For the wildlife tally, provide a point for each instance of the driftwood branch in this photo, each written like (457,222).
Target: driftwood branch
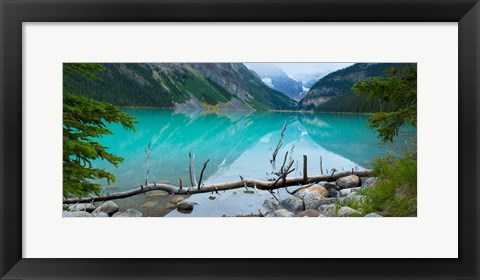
(201,174)
(261,185)
(275,152)
(191,169)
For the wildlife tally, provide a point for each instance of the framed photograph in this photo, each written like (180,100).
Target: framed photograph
(239,139)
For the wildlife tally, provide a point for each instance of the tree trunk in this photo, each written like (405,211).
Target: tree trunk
(261,185)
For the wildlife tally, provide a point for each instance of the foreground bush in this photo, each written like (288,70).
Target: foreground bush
(395,192)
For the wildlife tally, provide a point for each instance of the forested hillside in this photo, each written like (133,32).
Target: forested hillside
(333,93)
(168,85)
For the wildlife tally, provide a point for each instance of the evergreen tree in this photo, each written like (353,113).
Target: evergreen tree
(398,89)
(84,120)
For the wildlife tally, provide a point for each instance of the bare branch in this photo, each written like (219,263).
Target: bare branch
(261,185)
(191,169)
(201,174)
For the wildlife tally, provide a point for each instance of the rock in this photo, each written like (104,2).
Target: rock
(349,181)
(280,213)
(186,204)
(373,215)
(248,191)
(82,207)
(100,215)
(309,213)
(150,204)
(332,192)
(212,197)
(370,183)
(157,195)
(316,189)
(346,192)
(76,214)
(312,201)
(108,207)
(328,210)
(342,200)
(269,205)
(176,199)
(130,213)
(362,180)
(327,201)
(117,214)
(170,206)
(65,206)
(356,198)
(347,212)
(292,204)
(331,185)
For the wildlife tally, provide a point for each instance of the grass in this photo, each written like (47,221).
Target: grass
(395,193)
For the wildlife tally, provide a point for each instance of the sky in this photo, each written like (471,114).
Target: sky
(300,71)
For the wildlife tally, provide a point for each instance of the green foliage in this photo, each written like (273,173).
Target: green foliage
(85,119)
(354,103)
(398,89)
(395,193)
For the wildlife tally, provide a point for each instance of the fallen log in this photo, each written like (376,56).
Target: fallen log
(261,185)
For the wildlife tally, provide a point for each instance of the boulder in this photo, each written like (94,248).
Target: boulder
(76,214)
(108,207)
(346,192)
(328,210)
(269,205)
(333,192)
(349,181)
(327,201)
(347,212)
(312,201)
(82,207)
(370,183)
(316,189)
(176,199)
(309,213)
(130,213)
(65,206)
(186,204)
(292,204)
(373,215)
(100,215)
(117,214)
(280,213)
(331,185)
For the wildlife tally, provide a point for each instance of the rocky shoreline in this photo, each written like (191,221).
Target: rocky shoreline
(322,199)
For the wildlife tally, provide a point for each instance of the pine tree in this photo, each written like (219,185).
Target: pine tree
(85,120)
(398,89)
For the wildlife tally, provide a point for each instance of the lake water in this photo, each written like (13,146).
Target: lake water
(236,143)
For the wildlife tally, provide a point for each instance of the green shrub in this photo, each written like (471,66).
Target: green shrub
(395,193)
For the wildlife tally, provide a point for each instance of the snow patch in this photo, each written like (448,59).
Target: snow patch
(268,82)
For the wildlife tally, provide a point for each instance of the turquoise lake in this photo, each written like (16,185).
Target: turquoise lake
(236,143)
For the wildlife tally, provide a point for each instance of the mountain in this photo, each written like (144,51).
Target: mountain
(183,85)
(275,78)
(333,92)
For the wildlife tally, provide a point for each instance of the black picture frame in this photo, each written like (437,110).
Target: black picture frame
(15,12)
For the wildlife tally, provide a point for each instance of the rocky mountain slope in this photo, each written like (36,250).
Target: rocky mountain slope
(276,79)
(184,85)
(334,91)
